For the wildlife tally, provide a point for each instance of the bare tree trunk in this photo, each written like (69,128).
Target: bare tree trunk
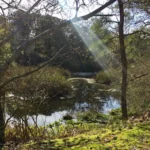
(2,123)
(123,62)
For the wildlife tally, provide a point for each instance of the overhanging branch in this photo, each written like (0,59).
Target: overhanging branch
(15,31)
(139,76)
(34,70)
(63,24)
(104,15)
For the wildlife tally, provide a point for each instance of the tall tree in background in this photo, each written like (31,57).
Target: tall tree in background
(123,61)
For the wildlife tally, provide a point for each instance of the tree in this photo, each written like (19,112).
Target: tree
(129,11)
(124,33)
(123,62)
(103,37)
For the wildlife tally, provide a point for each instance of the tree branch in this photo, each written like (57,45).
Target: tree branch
(105,15)
(34,70)
(15,31)
(139,76)
(136,32)
(63,24)
(93,13)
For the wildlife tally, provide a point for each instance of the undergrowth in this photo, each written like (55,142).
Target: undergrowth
(113,135)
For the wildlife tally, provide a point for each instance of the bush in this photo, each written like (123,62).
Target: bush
(103,78)
(67,117)
(138,92)
(92,116)
(54,85)
(111,76)
(115,112)
(47,82)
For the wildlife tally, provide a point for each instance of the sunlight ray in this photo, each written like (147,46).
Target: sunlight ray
(100,50)
(89,38)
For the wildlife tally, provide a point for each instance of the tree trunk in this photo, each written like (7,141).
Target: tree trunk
(123,62)
(2,123)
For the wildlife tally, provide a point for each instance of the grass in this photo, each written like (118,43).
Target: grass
(102,139)
(112,136)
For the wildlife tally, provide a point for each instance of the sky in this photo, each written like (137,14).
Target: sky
(69,9)
(67,6)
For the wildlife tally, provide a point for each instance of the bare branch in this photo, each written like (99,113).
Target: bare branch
(33,6)
(105,15)
(95,11)
(139,76)
(137,32)
(63,24)
(51,30)
(14,32)
(33,71)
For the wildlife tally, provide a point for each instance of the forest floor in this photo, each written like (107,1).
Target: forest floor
(133,134)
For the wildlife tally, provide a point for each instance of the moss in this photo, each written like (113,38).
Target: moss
(100,138)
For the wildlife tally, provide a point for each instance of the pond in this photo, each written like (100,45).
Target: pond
(86,95)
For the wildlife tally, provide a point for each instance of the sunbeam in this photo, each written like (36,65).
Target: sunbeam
(93,43)
(89,38)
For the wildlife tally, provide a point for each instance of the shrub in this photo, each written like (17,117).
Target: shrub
(47,82)
(115,112)
(92,116)
(138,92)
(111,76)
(103,78)
(67,117)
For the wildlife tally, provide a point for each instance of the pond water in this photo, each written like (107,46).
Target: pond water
(84,96)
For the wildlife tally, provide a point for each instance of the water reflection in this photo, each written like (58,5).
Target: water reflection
(84,97)
(110,104)
(45,120)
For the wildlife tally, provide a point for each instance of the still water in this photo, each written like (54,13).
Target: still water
(84,97)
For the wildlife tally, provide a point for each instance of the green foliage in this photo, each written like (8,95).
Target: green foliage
(33,93)
(92,116)
(21,133)
(98,137)
(115,114)
(5,51)
(112,76)
(104,45)
(47,82)
(100,29)
(67,117)
(82,59)
(137,45)
(138,87)
(103,78)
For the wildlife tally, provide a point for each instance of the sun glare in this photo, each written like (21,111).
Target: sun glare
(89,38)
(94,44)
